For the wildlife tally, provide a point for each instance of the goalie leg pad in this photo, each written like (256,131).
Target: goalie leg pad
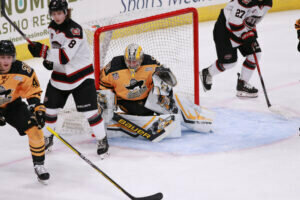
(107,102)
(195,117)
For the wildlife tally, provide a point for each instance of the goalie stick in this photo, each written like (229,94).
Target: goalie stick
(13,24)
(157,196)
(148,134)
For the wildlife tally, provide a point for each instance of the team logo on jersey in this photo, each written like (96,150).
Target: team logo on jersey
(115,76)
(228,56)
(18,78)
(5,95)
(136,88)
(75,31)
(148,69)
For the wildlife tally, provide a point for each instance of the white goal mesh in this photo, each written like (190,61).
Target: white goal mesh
(170,37)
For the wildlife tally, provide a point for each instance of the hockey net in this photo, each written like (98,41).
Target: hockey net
(170,37)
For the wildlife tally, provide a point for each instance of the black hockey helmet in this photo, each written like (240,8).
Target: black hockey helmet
(56,5)
(7,48)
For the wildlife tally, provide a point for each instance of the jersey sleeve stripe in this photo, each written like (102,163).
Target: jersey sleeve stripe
(63,57)
(235,27)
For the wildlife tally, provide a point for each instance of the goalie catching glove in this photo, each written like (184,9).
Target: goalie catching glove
(166,75)
(39,112)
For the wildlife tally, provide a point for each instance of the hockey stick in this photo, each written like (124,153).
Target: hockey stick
(262,81)
(157,196)
(148,134)
(272,108)
(13,24)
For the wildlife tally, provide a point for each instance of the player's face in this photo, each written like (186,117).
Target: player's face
(133,64)
(58,16)
(5,63)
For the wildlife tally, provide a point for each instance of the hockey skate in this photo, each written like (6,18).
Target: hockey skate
(41,172)
(102,148)
(48,143)
(244,89)
(206,79)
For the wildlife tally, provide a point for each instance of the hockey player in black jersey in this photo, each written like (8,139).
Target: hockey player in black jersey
(17,81)
(235,30)
(73,73)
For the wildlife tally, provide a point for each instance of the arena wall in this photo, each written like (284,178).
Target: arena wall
(33,18)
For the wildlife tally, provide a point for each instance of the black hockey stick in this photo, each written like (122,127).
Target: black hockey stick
(273,108)
(157,196)
(13,24)
(262,80)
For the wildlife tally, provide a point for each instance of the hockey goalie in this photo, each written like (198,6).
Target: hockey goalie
(142,89)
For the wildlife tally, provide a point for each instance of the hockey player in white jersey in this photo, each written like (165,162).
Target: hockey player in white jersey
(143,88)
(69,58)
(235,30)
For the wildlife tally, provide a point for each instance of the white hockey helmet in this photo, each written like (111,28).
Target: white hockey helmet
(133,56)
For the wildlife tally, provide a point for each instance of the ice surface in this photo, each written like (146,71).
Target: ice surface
(252,154)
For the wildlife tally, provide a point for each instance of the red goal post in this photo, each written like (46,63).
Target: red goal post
(153,18)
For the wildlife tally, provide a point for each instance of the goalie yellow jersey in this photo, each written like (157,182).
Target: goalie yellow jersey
(125,84)
(20,82)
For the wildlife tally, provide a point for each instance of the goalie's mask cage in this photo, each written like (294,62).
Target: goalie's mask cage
(170,37)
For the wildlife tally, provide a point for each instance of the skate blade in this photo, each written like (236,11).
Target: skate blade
(44,182)
(49,150)
(246,95)
(104,156)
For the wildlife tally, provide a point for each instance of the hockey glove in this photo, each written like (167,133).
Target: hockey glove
(166,75)
(48,64)
(249,37)
(2,120)
(38,50)
(39,112)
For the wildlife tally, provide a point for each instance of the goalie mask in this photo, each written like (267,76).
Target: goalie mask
(133,56)
(56,5)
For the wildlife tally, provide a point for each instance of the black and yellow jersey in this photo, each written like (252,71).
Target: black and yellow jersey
(20,82)
(125,84)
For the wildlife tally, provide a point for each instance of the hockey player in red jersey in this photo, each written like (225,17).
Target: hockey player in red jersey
(297,26)
(17,81)
(235,30)
(69,58)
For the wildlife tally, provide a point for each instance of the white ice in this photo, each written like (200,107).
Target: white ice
(252,154)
